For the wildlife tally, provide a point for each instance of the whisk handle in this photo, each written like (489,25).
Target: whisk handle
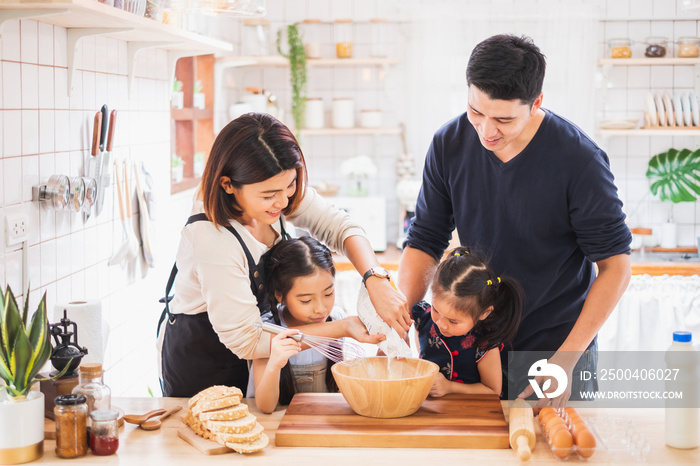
(275,329)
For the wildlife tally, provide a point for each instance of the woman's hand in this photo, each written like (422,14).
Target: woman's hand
(390,304)
(354,328)
(441,386)
(282,348)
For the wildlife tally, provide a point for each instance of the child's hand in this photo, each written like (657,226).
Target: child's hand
(441,386)
(282,348)
(357,330)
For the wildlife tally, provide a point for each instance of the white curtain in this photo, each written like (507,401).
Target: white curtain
(650,311)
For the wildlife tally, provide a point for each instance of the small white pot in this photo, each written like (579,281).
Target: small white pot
(21,428)
(198,168)
(178,173)
(198,100)
(178,99)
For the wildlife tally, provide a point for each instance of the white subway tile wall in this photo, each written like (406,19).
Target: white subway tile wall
(44,131)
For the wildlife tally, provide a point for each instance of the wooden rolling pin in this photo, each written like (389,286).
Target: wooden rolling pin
(521,428)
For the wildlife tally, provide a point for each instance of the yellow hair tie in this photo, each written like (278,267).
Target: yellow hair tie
(489,282)
(459,253)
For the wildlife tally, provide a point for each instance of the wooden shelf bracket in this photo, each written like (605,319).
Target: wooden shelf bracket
(73,36)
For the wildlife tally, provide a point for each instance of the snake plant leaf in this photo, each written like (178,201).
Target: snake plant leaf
(21,354)
(39,340)
(11,324)
(675,175)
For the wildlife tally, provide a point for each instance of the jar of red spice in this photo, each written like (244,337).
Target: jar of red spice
(104,433)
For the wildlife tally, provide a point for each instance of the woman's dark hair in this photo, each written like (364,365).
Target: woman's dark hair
(467,283)
(285,262)
(507,67)
(250,149)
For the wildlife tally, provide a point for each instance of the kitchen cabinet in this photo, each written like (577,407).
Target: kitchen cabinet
(606,65)
(192,127)
(84,18)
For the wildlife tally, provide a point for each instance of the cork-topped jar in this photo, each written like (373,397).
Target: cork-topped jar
(342,31)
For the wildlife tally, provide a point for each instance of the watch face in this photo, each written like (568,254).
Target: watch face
(380,271)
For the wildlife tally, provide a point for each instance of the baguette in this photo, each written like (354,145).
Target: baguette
(251,447)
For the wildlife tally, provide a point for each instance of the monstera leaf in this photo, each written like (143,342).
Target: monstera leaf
(675,175)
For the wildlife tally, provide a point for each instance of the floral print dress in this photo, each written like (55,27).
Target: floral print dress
(457,357)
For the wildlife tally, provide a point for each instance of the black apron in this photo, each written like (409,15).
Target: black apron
(193,358)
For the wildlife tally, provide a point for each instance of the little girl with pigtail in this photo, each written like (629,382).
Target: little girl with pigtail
(473,314)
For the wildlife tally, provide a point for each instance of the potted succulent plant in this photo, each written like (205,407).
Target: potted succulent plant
(178,168)
(198,164)
(198,96)
(24,349)
(178,98)
(675,177)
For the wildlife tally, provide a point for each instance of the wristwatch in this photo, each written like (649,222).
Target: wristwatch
(380,272)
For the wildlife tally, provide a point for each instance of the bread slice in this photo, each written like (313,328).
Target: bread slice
(206,405)
(237,426)
(215,392)
(250,447)
(244,437)
(227,414)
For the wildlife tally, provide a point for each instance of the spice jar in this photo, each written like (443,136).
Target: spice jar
(656,47)
(256,34)
(70,412)
(90,384)
(688,47)
(311,32)
(314,113)
(343,113)
(104,433)
(620,48)
(343,38)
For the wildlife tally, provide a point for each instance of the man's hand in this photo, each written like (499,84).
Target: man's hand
(566,360)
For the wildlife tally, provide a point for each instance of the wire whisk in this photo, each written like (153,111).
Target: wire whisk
(343,351)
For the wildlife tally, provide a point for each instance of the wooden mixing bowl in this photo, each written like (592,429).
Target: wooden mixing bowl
(385,387)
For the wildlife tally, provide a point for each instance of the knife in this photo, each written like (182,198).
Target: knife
(100,163)
(105,175)
(94,150)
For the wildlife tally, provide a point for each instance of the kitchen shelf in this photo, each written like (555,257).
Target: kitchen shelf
(349,131)
(83,18)
(191,113)
(668,131)
(276,60)
(648,61)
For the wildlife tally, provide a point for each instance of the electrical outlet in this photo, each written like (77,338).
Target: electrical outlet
(16,228)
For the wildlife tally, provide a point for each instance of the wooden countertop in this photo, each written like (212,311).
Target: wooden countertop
(164,447)
(389,259)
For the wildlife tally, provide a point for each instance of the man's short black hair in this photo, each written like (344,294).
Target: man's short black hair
(507,67)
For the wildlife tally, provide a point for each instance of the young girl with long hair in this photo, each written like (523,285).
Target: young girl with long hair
(300,282)
(473,313)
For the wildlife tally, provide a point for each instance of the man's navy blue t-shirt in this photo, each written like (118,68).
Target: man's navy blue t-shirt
(543,217)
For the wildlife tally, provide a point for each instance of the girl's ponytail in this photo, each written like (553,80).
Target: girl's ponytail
(502,323)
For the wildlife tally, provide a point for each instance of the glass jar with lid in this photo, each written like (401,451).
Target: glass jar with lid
(688,47)
(620,47)
(256,33)
(70,412)
(104,432)
(656,46)
(379,45)
(311,36)
(342,31)
(98,395)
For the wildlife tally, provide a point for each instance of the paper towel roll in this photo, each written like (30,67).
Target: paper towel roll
(87,315)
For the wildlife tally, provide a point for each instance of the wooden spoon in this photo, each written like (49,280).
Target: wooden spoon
(154,424)
(139,419)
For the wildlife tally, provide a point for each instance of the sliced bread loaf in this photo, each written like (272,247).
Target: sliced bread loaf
(206,405)
(250,447)
(226,414)
(244,437)
(236,426)
(214,392)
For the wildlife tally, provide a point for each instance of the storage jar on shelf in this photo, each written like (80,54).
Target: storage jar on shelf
(656,47)
(379,45)
(343,113)
(256,33)
(311,33)
(688,47)
(620,48)
(314,113)
(342,31)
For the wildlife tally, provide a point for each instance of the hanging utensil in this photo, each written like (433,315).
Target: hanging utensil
(99,163)
(105,175)
(144,220)
(129,248)
(342,351)
(92,163)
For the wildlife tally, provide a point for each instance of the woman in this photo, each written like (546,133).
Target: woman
(254,179)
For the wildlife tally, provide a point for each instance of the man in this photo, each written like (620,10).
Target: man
(532,190)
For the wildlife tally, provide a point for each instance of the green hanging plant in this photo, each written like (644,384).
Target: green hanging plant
(675,175)
(297,66)
(23,349)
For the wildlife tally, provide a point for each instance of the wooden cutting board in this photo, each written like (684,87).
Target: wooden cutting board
(453,421)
